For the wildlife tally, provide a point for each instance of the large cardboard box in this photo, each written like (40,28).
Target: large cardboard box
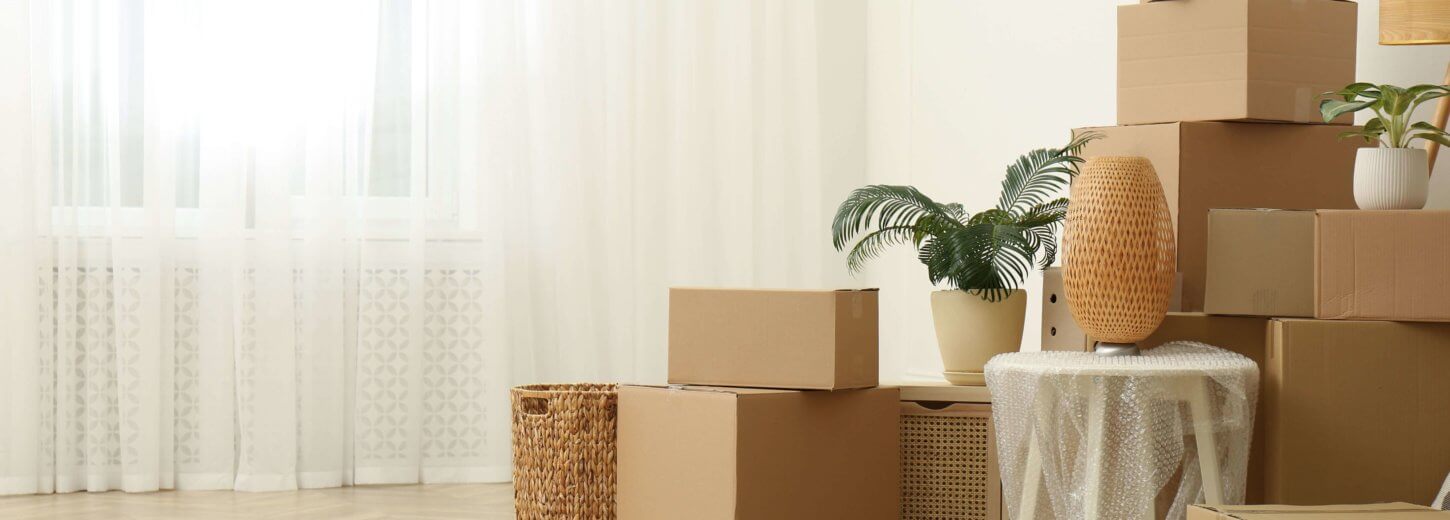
(1374,265)
(1235,165)
(1391,511)
(825,340)
(1355,411)
(1246,335)
(1219,60)
(737,453)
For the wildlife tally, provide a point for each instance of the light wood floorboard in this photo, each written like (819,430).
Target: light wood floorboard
(432,501)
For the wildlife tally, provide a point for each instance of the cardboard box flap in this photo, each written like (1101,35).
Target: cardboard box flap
(1394,510)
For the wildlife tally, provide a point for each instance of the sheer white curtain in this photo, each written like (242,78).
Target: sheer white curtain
(268,245)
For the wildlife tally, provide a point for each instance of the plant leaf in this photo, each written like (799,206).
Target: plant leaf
(875,243)
(1350,91)
(1040,173)
(1395,101)
(1438,137)
(881,207)
(1331,108)
(1425,125)
(1369,137)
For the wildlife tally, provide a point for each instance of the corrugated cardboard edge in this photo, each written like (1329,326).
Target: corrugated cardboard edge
(1271,377)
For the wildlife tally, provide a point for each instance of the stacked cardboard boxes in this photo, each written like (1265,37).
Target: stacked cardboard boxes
(1341,308)
(1355,401)
(773,411)
(1221,95)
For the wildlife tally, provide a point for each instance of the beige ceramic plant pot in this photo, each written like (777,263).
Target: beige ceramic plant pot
(970,330)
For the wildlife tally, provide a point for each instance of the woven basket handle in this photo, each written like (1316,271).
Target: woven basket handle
(546,398)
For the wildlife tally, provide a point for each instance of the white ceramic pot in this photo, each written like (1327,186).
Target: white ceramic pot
(970,330)
(1391,178)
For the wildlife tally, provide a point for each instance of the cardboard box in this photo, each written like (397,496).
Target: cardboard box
(1246,335)
(1375,265)
(738,453)
(1392,511)
(1355,411)
(1059,330)
(1222,60)
(1260,263)
(1235,165)
(824,340)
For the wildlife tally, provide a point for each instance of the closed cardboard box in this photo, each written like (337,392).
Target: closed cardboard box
(802,339)
(1220,60)
(1235,165)
(1391,511)
(1355,411)
(1373,265)
(1246,335)
(708,453)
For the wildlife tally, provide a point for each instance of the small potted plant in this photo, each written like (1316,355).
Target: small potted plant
(1391,175)
(983,258)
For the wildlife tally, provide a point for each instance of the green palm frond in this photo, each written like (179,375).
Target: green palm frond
(875,243)
(1040,173)
(989,253)
(889,206)
(1049,213)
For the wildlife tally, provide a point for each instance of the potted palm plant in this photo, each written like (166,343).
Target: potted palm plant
(1391,175)
(982,258)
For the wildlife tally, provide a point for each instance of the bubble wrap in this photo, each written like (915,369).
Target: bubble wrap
(1150,466)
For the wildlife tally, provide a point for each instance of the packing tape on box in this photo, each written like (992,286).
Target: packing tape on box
(1304,105)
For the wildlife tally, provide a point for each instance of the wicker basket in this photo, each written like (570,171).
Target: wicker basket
(564,446)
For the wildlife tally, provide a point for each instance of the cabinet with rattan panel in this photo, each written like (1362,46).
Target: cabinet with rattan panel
(948,457)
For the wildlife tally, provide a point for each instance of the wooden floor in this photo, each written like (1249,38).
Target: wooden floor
(444,501)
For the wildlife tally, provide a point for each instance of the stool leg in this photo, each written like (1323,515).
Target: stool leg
(1198,407)
(1092,489)
(1031,479)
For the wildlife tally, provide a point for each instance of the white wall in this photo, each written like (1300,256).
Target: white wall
(958,89)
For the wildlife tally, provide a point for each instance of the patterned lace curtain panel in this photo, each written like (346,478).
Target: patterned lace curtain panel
(268,245)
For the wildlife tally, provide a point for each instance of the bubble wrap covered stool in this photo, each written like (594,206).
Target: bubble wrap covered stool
(1082,436)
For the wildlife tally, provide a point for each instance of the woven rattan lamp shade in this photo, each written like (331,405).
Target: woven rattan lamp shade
(1119,257)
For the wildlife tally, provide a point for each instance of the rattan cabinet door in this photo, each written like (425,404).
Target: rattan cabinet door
(948,462)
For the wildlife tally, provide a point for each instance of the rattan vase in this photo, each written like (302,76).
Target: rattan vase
(1119,256)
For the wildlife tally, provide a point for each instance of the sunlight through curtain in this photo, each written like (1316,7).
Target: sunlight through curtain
(267,245)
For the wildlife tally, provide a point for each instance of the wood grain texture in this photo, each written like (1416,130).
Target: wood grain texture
(433,501)
(1414,22)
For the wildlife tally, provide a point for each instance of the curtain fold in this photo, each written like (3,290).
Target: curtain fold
(276,245)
